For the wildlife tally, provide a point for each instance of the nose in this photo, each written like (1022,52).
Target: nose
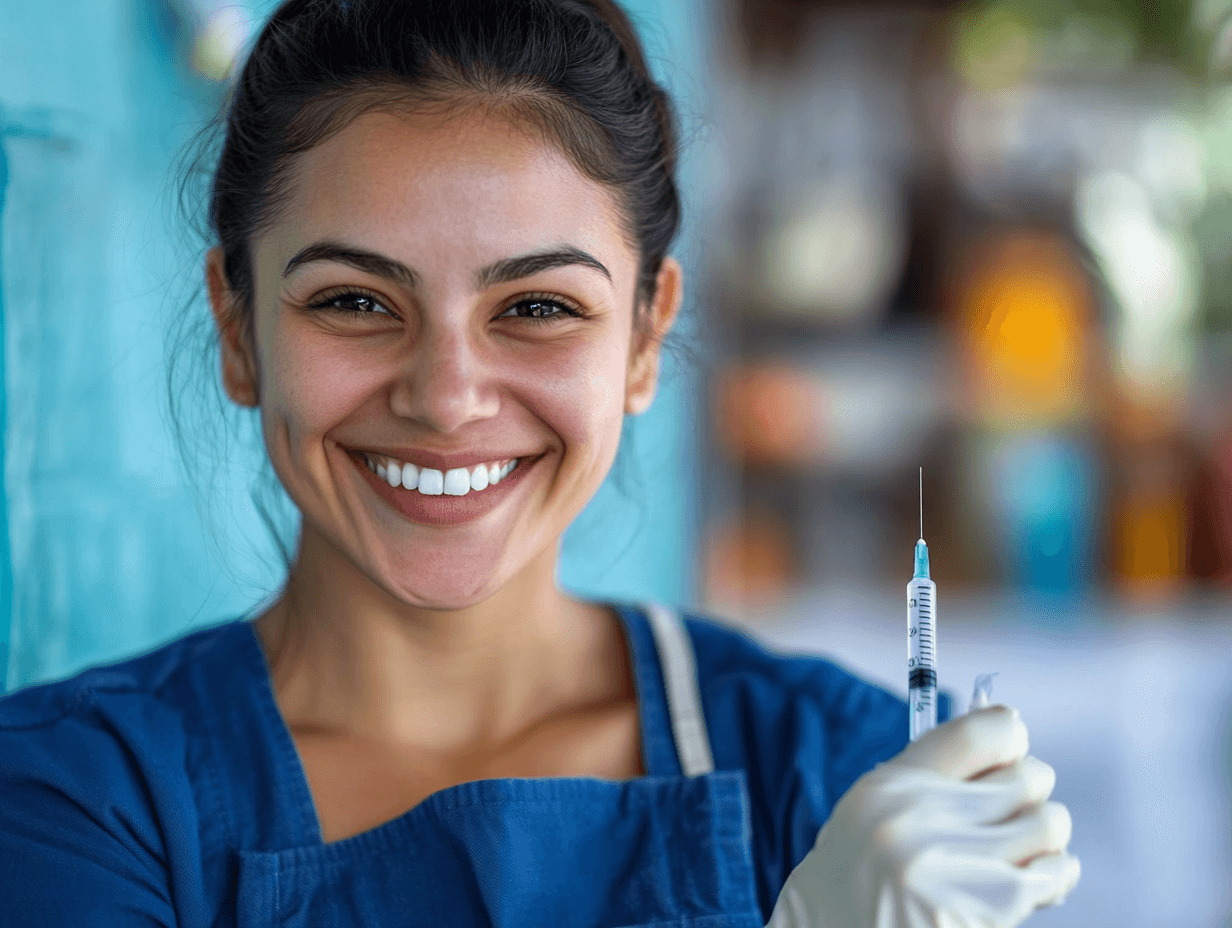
(445,382)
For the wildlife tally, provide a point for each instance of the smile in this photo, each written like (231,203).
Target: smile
(429,481)
(443,496)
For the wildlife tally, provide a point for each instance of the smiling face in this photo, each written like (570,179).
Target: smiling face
(444,293)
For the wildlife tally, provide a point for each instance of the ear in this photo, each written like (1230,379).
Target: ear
(238,361)
(645,348)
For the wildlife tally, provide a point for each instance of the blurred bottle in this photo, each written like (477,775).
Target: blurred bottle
(1023,312)
(1150,521)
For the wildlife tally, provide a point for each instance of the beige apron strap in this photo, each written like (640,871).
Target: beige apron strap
(684,698)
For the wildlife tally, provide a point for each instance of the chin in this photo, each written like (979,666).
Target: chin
(456,574)
(446,592)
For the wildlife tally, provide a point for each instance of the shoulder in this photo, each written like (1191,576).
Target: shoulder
(107,723)
(93,771)
(149,679)
(107,730)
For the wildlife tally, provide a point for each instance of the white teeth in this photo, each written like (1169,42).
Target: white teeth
(479,477)
(457,481)
(410,476)
(431,482)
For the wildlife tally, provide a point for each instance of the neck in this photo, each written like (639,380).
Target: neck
(348,658)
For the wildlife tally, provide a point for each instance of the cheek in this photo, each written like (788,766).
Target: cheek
(312,383)
(581,395)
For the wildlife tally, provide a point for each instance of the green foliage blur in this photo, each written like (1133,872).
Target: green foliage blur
(997,40)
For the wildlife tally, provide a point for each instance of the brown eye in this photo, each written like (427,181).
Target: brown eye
(539,309)
(352,303)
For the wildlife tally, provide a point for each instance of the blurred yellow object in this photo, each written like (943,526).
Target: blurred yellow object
(1024,306)
(1030,332)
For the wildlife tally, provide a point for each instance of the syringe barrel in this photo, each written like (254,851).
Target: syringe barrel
(921,656)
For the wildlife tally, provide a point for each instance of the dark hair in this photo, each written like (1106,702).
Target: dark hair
(573,69)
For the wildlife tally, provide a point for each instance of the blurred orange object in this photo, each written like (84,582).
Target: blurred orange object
(768,413)
(1024,309)
(747,564)
(1150,524)
(1150,544)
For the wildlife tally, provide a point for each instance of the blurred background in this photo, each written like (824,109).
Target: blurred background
(991,239)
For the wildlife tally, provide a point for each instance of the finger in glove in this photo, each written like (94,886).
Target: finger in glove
(971,744)
(1046,830)
(1031,776)
(1055,876)
(999,816)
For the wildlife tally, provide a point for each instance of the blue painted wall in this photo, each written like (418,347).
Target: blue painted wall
(108,551)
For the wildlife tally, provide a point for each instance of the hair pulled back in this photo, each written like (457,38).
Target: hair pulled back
(572,69)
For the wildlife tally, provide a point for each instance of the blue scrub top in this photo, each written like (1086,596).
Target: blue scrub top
(166,790)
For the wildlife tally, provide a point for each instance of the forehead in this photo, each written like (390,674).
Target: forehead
(472,185)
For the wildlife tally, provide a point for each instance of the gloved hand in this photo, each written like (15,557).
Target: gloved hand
(953,832)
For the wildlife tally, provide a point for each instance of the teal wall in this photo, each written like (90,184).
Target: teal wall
(6,563)
(107,550)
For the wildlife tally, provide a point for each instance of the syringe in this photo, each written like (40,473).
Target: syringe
(921,639)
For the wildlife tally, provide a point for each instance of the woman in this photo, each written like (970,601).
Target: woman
(442,279)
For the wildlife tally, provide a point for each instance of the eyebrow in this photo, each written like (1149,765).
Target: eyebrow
(498,272)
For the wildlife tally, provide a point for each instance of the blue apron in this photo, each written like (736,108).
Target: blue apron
(670,848)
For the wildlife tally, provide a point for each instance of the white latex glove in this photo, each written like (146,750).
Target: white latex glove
(954,832)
